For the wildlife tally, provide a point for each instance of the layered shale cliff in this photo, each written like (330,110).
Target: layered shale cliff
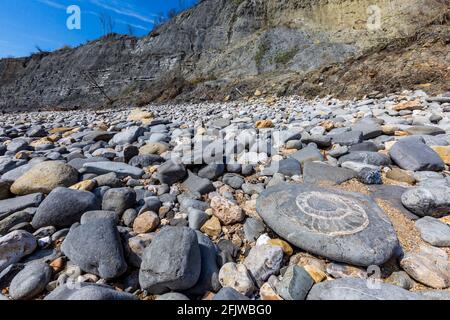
(225,48)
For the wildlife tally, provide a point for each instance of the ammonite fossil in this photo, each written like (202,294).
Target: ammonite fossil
(329,214)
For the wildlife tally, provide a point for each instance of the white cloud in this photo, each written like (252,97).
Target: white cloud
(53,4)
(136,26)
(129,12)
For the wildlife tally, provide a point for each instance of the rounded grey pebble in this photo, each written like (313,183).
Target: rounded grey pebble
(129,216)
(175,296)
(196,218)
(31,281)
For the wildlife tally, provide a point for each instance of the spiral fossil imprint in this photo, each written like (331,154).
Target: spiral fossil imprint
(327,214)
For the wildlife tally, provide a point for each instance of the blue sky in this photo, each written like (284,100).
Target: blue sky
(26,24)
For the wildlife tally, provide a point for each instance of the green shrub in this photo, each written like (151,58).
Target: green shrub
(285,56)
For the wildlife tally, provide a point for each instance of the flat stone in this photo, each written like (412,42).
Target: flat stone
(401,279)
(436,295)
(96,248)
(236,276)
(9,206)
(320,140)
(400,175)
(348,138)
(320,173)
(286,247)
(342,226)
(129,135)
(121,169)
(425,201)
(367,157)
(220,123)
(295,284)
(212,171)
(253,229)
(36,132)
(364,146)
(78,163)
(429,266)
(63,207)
(338,151)
(316,272)
(99,214)
(14,219)
(369,128)
(310,153)
(264,261)
(186,203)
(43,255)
(44,177)
(442,99)
(146,222)
(413,154)
(86,185)
(171,172)
(98,136)
(119,200)
(436,141)
(341,270)
(234,167)
(14,246)
(108,180)
(88,292)
(171,262)
(434,231)
(370,176)
(152,203)
(229,294)
(288,167)
(17,145)
(252,189)
(359,289)
(143,161)
(233,180)
(294,144)
(129,216)
(158,137)
(172,296)
(429,178)
(14,174)
(209,274)
(31,281)
(409,105)
(225,210)
(8,164)
(157,148)
(140,115)
(424,130)
(196,184)
(197,218)
(267,293)
(212,227)
(358,166)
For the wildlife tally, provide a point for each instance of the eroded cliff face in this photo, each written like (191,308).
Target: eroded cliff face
(215,45)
